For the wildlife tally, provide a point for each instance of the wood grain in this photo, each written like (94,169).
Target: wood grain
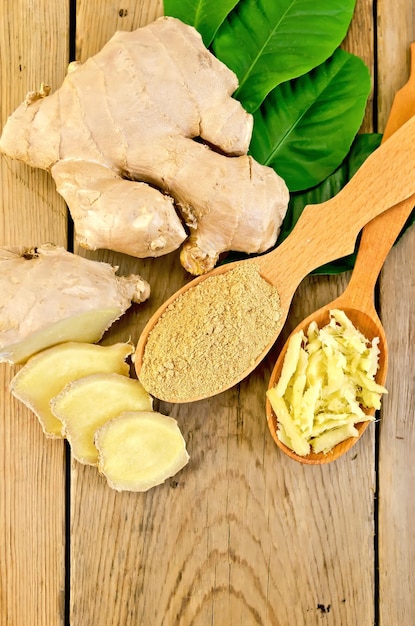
(243,535)
(240,536)
(397,297)
(396,31)
(97,22)
(397,438)
(32,486)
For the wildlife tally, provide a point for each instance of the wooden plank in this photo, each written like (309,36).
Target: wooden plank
(106,581)
(397,302)
(396,30)
(107,19)
(243,534)
(397,438)
(360,40)
(32,490)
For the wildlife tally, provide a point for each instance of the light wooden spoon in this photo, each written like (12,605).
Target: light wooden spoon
(378,236)
(324,232)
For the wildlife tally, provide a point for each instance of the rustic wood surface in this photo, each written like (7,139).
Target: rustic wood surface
(243,535)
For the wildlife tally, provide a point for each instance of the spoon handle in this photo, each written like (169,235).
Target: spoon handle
(376,241)
(379,235)
(328,231)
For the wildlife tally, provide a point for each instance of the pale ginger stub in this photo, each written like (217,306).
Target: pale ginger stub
(119,139)
(48,372)
(49,296)
(140,450)
(87,403)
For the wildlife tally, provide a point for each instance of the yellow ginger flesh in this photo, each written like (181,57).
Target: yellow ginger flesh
(87,403)
(50,296)
(46,374)
(140,450)
(147,126)
(327,385)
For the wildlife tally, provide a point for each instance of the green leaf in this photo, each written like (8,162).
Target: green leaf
(305,127)
(267,42)
(362,147)
(205,15)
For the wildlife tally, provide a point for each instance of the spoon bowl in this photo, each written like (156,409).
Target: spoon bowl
(369,324)
(378,236)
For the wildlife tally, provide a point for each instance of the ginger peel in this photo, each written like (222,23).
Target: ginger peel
(49,296)
(153,136)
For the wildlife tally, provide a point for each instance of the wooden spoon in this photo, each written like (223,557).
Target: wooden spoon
(324,232)
(377,238)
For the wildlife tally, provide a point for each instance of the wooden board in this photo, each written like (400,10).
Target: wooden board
(243,535)
(396,473)
(32,491)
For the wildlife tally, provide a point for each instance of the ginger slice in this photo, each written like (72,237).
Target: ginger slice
(47,373)
(49,296)
(87,403)
(139,450)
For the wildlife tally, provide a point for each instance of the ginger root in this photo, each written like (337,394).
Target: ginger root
(143,128)
(48,372)
(50,296)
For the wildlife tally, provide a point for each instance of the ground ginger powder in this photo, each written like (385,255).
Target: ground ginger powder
(210,335)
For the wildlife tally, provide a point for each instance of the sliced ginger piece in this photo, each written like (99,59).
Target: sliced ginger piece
(139,450)
(87,403)
(49,296)
(48,372)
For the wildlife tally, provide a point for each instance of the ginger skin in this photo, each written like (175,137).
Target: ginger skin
(135,133)
(49,296)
